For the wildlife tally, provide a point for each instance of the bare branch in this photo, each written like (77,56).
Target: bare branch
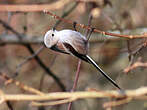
(66,13)
(53,102)
(135,65)
(34,8)
(116,103)
(75,83)
(20,85)
(29,58)
(96,30)
(138,94)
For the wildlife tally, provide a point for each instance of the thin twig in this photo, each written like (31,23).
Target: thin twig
(66,14)
(77,76)
(96,30)
(138,63)
(116,103)
(135,65)
(75,82)
(48,71)
(20,85)
(89,24)
(8,27)
(43,75)
(53,102)
(29,58)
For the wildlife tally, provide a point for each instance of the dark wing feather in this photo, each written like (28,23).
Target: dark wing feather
(75,53)
(55,48)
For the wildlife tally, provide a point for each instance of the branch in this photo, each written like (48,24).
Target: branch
(48,71)
(116,103)
(19,84)
(138,94)
(75,82)
(135,65)
(8,27)
(96,30)
(66,13)
(29,58)
(34,8)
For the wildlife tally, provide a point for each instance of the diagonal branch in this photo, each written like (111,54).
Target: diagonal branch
(96,30)
(19,84)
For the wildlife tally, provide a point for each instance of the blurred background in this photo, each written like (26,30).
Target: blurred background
(21,33)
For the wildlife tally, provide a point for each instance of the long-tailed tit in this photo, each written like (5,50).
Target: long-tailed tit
(73,43)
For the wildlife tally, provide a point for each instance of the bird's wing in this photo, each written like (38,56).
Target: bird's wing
(80,45)
(56,48)
(74,52)
(76,40)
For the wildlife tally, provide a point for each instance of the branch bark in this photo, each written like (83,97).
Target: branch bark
(34,7)
(138,94)
(144,35)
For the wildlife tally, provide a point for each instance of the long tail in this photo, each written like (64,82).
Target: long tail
(101,71)
(88,59)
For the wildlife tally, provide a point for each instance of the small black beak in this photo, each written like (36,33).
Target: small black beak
(53,28)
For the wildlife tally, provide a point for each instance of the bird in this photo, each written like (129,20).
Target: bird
(72,42)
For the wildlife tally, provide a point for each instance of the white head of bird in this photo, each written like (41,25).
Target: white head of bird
(51,38)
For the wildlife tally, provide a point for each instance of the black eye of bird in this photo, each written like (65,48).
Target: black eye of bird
(52,34)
